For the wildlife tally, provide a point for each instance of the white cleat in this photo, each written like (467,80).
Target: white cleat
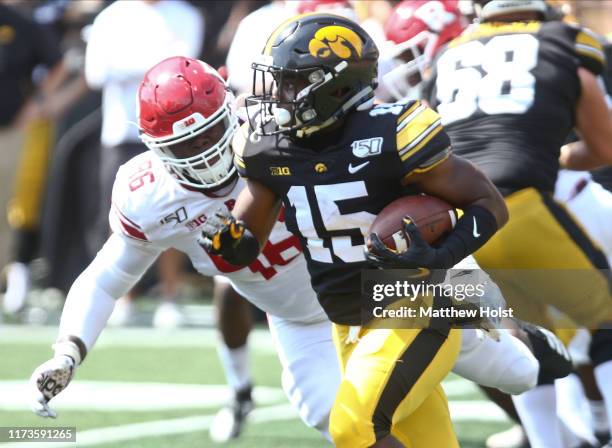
(514,437)
(167,316)
(229,421)
(17,287)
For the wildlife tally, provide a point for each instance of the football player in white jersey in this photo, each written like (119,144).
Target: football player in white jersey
(162,198)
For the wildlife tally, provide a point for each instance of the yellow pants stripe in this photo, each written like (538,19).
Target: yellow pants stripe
(419,354)
(543,258)
(391,382)
(575,232)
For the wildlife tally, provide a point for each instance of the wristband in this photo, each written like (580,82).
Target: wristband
(71,346)
(472,231)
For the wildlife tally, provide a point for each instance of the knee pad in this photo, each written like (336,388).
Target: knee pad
(600,350)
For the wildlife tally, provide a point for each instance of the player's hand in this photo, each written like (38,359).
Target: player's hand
(48,380)
(418,255)
(221,233)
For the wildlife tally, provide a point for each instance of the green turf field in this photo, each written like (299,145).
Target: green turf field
(148,388)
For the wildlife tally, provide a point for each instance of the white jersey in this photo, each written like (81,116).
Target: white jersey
(151,208)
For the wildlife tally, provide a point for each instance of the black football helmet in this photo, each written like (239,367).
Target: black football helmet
(489,9)
(314,69)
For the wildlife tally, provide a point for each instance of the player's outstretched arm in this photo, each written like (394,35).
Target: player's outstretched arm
(594,123)
(90,302)
(239,236)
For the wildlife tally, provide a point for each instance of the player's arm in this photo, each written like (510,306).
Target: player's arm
(462,185)
(90,302)
(594,124)
(426,160)
(239,236)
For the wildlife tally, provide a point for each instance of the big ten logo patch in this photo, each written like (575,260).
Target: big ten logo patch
(280,171)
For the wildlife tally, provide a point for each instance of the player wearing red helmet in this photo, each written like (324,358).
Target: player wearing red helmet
(184,107)
(416,30)
(161,200)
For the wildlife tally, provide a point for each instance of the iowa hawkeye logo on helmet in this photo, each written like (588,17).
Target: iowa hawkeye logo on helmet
(339,40)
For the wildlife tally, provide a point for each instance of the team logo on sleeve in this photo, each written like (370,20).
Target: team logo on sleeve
(367,147)
(339,40)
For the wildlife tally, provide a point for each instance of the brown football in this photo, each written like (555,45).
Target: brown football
(434,217)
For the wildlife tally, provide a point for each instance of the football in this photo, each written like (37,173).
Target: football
(434,217)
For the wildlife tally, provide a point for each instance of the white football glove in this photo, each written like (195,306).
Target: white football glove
(48,380)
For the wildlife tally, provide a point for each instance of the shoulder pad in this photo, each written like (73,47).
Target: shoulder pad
(391,108)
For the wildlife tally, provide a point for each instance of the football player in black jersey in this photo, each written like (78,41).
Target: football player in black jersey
(509,91)
(319,146)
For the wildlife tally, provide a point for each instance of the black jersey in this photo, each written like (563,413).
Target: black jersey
(604,175)
(333,189)
(507,93)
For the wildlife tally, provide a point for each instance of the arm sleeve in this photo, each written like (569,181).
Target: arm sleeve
(421,141)
(91,299)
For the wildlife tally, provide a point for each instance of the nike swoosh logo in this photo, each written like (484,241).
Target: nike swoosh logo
(353,169)
(475,231)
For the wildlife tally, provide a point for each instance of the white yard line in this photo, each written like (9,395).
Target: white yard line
(116,396)
(259,339)
(460,411)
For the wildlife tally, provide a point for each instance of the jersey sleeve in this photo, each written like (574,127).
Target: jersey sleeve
(589,50)
(421,141)
(123,218)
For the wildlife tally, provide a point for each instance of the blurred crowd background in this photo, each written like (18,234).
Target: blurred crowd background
(69,71)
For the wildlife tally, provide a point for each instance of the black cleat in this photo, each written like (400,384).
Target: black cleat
(229,421)
(555,361)
(604,437)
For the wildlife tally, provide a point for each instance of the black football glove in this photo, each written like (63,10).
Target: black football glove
(418,255)
(220,233)
(228,238)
